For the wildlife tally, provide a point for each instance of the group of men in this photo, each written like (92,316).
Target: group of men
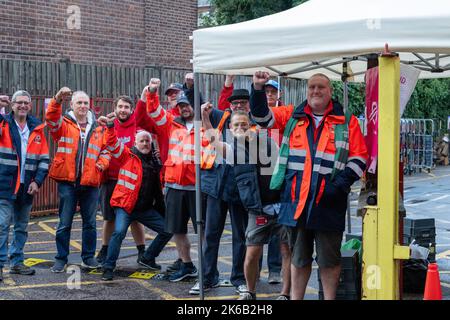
(283,174)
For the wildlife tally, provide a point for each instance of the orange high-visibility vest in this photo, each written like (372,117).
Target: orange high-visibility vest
(66,133)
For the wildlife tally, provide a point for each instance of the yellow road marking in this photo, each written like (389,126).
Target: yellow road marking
(11,285)
(47,285)
(33,261)
(163,294)
(143,275)
(309,290)
(52,231)
(443,254)
(412,181)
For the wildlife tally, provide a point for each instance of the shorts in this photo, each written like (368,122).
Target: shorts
(180,206)
(106,191)
(260,228)
(328,247)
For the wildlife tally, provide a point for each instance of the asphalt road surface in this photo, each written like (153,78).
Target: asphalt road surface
(426,195)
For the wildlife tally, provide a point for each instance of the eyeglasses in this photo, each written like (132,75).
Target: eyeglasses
(239,102)
(25,103)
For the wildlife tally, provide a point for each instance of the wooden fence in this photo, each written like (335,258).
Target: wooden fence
(103,84)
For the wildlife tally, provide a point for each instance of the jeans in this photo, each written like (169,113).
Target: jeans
(87,197)
(216,213)
(152,219)
(16,212)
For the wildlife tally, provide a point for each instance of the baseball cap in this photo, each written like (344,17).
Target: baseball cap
(174,86)
(183,99)
(273,83)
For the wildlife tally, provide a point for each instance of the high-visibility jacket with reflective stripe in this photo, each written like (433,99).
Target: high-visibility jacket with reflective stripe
(36,160)
(308,194)
(65,131)
(179,166)
(129,179)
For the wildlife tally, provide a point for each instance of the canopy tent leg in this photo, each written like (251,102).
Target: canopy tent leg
(198,193)
(345,93)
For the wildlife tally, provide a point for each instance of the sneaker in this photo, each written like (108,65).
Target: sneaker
(247,296)
(274,278)
(183,273)
(22,269)
(108,275)
(140,256)
(283,297)
(59,266)
(195,290)
(90,263)
(149,263)
(101,256)
(242,289)
(175,266)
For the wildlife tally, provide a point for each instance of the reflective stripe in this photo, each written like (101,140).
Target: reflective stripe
(114,147)
(119,153)
(128,174)
(64,150)
(91,156)
(296,166)
(283,160)
(285,140)
(7,150)
(126,184)
(43,165)
(66,139)
(8,162)
(322,169)
(264,119)
(174,141)
(355,168)
(156,113)
(326,156)
(162,121)
(342,144)
(57,125)
(30,167)
(207,151)
(339,165)
(188,147)
(363,160)
(180,187)
(106,156)
(32,156)
(185,157)
(94,147)
(297,152)
(44,157)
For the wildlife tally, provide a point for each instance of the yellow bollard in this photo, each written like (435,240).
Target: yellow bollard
(381,252)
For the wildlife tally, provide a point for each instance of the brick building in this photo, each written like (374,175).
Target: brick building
(125,33)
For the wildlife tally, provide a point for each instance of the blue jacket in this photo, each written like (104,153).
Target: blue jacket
(36,165)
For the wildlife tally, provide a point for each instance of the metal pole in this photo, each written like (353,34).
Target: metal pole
(198,193)
(345,93)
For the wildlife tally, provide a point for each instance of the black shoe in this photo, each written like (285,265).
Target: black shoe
(108,275)
(175,266)
(101,256)
(22,269)
(149,263)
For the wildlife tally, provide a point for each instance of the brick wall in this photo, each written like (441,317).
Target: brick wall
(129,33)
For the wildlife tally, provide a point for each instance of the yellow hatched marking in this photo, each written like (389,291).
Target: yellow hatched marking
(163,294)
(143,275)
(52,231)
(33,261)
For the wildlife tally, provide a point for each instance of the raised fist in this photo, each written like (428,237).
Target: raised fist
(229,80)
(260,78)
(63,93)
(154,84)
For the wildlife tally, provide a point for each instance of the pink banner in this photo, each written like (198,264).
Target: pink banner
(371,136)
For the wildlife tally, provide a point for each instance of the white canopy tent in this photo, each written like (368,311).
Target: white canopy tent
(319,35)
